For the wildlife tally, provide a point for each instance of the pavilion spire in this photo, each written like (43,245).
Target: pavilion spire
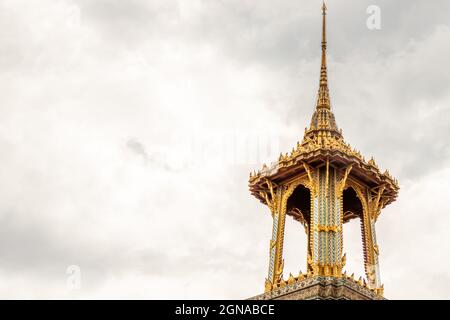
(323,117)
(323,99)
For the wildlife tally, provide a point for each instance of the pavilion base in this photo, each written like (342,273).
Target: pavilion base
(321,288)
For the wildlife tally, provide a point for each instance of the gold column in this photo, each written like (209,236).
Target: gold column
(276,262)
(375,204)
(370,209)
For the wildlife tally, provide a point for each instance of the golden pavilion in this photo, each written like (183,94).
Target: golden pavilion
(323,183)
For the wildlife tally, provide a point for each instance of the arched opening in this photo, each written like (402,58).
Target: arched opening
(298,212)
(353,241)
(352,205)
(299,204)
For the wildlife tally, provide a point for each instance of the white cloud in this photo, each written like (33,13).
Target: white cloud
(101,99)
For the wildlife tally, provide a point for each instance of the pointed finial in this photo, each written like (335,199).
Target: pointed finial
(360,282)
(291,279)
(301,276)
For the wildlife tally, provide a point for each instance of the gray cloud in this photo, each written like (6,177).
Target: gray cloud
(138,148)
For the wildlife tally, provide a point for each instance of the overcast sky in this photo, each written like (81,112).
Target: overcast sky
(127,131)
